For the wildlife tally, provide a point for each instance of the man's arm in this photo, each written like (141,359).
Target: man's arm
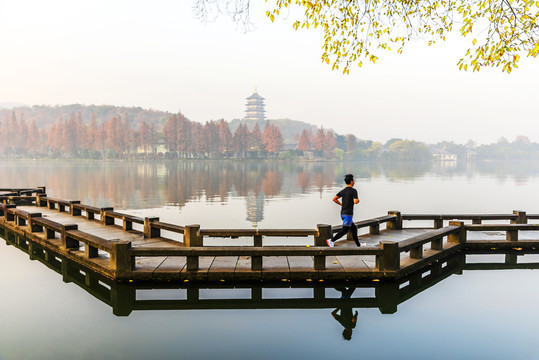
(336,200)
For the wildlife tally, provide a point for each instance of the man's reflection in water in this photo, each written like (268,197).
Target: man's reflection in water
(346,318)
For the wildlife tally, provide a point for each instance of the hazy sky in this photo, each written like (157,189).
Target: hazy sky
(157,55)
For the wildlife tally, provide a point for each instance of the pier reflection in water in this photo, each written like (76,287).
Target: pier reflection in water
(340,298)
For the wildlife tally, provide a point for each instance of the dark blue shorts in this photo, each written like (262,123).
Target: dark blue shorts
(346,220)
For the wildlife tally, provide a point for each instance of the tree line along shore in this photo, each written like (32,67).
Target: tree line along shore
(32,134)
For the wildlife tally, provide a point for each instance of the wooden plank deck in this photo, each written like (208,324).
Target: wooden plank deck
(174,266)
(230,268)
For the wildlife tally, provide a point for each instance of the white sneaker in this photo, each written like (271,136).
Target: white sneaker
(330,243)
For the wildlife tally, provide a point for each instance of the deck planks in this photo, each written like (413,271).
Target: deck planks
(239,268)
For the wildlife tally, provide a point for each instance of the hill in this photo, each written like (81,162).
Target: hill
(288,127)
(45,116)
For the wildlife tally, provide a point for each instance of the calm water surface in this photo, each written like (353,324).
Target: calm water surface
(471,314)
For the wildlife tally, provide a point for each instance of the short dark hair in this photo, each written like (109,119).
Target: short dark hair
(348,178)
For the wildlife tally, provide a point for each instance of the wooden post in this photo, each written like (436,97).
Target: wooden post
(256,293)
(511,235)
(90,251)
(387,296)
(397,223)
(51,204)
(72,210)
(437,244)
(438,223)
(42,189)
(319,293)
(34,227)
(417,252)
(127,224)
(67,242)
(193,294)
(122,298)
(149,231)
(458,237)
(521,217)
(20,221)
(41,200)
(106,220)
(324,233)
(390,259)
(374,229)
(476,221)
(511,259)
(50,234)
(192,238)
(120,259)
(256,261)
(9,215)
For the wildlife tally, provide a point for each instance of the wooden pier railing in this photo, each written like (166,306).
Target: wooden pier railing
(392,259)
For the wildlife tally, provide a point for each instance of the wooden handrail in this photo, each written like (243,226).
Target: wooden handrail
(415,241)
(257,232)
(368,222)
(254,251)
(459,217)
(167,226)
(504,227)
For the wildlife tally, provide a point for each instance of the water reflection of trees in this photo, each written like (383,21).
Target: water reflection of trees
(139,185)
(146,184)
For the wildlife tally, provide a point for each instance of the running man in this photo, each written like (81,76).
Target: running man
(349,199)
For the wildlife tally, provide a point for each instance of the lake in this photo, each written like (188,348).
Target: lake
(462,313)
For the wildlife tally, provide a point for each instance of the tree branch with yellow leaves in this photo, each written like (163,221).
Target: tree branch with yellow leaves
(356,31)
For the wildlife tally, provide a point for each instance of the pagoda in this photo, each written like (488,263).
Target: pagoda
(255,108)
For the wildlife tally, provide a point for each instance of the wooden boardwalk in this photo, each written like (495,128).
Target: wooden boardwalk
(125,298)
(123,247)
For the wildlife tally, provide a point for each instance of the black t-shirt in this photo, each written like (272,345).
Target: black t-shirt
(347,319)
(348,194)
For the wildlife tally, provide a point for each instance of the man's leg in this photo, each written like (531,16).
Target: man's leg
(338,235)
(353,228)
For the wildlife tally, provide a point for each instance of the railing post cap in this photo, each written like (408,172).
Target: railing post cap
(120,242)
(193,225)
(456,223)
(152,218)
(516,212)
